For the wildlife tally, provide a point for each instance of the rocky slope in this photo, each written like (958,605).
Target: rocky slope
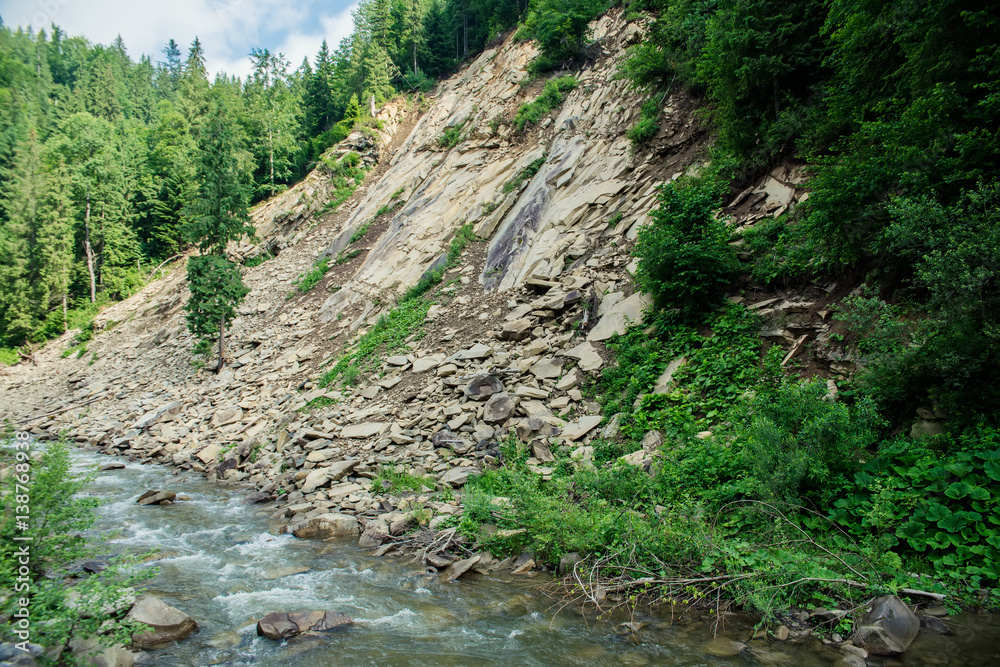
(518,325)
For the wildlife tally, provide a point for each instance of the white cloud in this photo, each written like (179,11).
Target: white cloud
(228,29)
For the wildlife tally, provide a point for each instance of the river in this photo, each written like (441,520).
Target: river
(220,562)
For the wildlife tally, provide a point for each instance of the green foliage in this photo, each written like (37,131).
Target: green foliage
(395,327)
(685,260)
(62,608)
(392,479)
(347,174)
(258,259)
(797,446)
(452,135)
(524,175)
(646,127)
(218,212)
(933,500)
(560,27)
(718,367)
(311,278)
(9,356)
(217,289)
(551,97)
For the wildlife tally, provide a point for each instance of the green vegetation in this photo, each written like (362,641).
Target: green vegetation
(345,255)
(347,174)
(394,328)
(65,604)
(685,258)
(560,27)
(551,97)
(452,135)
(524,175)
(391,479)
(257,260)
(306,281)
(646,127)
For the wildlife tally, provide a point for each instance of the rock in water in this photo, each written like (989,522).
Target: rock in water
(167,624)
(889,627)
(156,497)
(327,525)
(280,625)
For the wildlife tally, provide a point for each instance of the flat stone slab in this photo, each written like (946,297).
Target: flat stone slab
(364,430)
(282,625)
(430,362)
(580,428)
(618,317)
(587,357)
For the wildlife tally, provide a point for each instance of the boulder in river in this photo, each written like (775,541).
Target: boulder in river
(281,625)
(166,623)
(327,525)
(889,627)
(156,497)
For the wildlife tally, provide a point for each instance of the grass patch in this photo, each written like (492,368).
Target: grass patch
(311,278)
(257,260)
(9,356)
(398,192)
(345,255)
(552,97)
(525,174)
(452,135)
(388,479)
(394,328)
(347,173)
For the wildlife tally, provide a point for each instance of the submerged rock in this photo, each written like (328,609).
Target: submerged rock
(281,625)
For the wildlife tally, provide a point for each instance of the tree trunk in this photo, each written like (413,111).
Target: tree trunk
(89,252)
(222,344)
(270,145)
(65,314)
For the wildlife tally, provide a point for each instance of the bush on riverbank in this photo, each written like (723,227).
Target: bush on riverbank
(65,603)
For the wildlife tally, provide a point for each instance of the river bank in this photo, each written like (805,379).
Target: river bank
(220,562)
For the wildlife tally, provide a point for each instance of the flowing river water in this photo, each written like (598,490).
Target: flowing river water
(220,562)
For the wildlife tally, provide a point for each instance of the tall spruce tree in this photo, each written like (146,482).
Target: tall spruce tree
(218,215)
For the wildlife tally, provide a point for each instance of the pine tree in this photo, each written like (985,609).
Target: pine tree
(272,110)
(218,215)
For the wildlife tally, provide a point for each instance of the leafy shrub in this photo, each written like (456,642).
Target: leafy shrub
(452,135)
(62,608)
(560,26)
(935,500)
(797,446)
(306,281)
(685,260)
(646,127)
(551,97)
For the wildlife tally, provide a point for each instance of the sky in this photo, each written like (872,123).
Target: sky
(228,29)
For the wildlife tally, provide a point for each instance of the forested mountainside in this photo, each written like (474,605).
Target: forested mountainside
(702,293)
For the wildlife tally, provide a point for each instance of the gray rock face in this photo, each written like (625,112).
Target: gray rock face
(889,627)
(483,386)
(166,623)
(327,525)
(156,497)
(280,625)
(498,409)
